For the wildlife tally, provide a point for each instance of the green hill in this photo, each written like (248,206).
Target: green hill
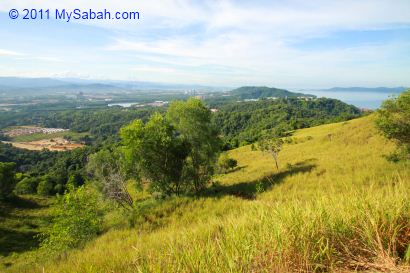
(335,204)
(259,92)
(245,122)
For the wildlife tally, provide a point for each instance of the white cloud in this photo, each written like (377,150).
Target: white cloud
(238,42)
(4,52)
(284,17)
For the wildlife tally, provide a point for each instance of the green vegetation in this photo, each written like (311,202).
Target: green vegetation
(216,100)
(21,220)
(155,150)
(76,220)
(95,125)
(39,136)
(244,123)
(259,92)
(174,154)
(7,179)
(28,185)
(271,145)
(193,122)
(394,121)
(143,198)
(335,205)
(226,163)
(50,170)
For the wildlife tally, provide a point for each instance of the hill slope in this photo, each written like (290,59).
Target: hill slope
(335,204)
(245,122)
(259,92)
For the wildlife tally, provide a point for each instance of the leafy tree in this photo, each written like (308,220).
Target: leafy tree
(27,185)
(45,186)
(192,120)
(75,180)
(394,120)
(76,219)
(272,146)
(156,151)
(105,167)
(7,178)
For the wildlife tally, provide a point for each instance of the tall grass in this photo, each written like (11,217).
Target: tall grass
(335,205)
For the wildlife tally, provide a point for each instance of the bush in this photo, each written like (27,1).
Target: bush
(27,185)
(76,219)
(225,163)
(75,180)
(7,178)
(46,186)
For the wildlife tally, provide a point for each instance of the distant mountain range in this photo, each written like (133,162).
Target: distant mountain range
(23,86)
(18,86)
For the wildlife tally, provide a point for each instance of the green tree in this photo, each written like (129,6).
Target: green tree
(106,168)
(271,145)
(45,186)
(75,180)
(7,178)
(76,219)
(394,120)
(156,152)
(192,120)
(27,185)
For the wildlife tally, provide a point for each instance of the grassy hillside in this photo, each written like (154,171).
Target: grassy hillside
(335,205)
(20,220)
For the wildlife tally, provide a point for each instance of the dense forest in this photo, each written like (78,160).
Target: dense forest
(101,124)
(244,123)
(260,92)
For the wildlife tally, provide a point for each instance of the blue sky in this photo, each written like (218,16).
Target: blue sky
(293,44)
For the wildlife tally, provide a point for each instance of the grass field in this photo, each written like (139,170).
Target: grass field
(40,136)
(21,219)
(335,205)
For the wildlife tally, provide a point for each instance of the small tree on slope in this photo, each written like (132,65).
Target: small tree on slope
(271,146)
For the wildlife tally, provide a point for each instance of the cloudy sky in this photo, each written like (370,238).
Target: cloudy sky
(293,44)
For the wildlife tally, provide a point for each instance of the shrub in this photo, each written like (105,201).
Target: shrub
(75,180)
(45,186)
(76,219)
(7,178)
(27,185)
(225,163)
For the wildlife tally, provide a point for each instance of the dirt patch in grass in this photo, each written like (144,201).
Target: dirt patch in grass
(54,144)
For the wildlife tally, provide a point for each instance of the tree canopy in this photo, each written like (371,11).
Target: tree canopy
(175,153)
(394,120)
(7,178)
